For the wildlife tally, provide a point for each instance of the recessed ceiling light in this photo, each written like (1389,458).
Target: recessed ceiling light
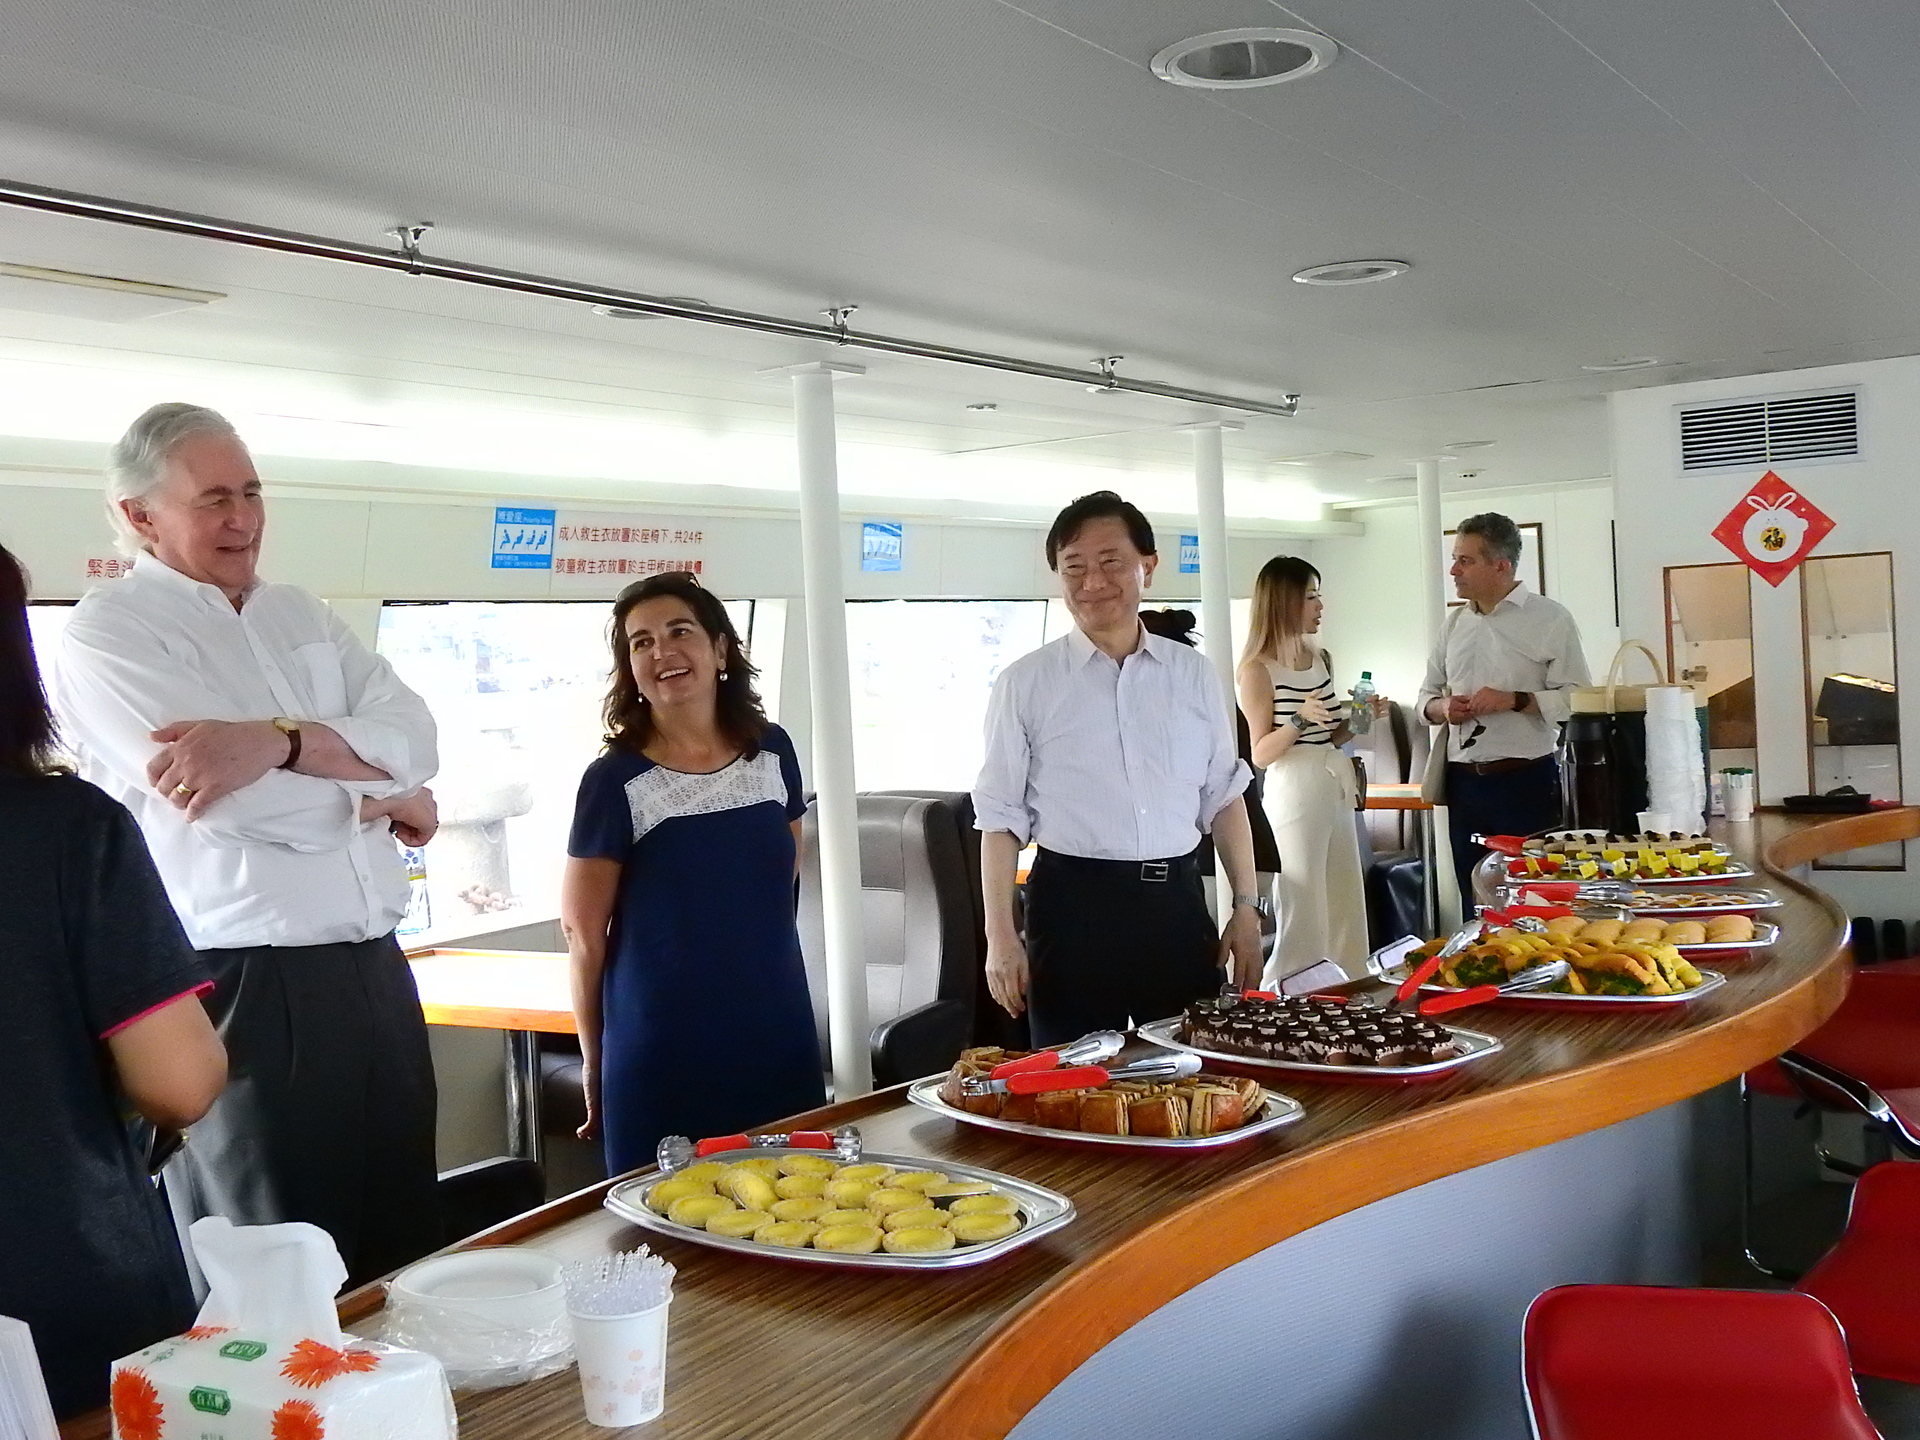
(1352,272)
(628,312)
(1243,59)
(1324,457)
(983,405)
(1467,445)
(1630,362)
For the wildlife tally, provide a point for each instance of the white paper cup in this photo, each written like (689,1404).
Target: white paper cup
(1737,790)
(623,1366)
(1655,822)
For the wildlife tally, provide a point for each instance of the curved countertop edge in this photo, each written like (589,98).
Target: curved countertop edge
(1038,1345)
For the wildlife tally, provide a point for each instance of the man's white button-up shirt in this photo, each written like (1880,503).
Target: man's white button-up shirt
(286,860)
(1089,756)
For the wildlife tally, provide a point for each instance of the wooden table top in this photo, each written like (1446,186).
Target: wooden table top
(1396,796)
(764,1345)
(494,989)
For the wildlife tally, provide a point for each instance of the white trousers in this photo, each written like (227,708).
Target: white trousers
(1321,903)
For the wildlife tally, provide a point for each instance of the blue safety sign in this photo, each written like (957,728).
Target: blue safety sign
(1189,554)
(880,545)
(522,539)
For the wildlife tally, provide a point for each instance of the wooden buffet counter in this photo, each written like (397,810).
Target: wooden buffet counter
(795,1350)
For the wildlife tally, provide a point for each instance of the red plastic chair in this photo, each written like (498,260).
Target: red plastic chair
(1872,1041)
(1871,1279)
(1636,1362)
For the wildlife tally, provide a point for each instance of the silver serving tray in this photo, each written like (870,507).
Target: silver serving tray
(1281,1110)
(1166,1032)
(1391,968)
(1734,902)
(1044,1211)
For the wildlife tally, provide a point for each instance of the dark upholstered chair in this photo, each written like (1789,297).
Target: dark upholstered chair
(920,923)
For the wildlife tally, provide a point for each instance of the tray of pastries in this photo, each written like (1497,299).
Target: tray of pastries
(844,1207)
(1192,1113)
(1600,973)
(1326,1037)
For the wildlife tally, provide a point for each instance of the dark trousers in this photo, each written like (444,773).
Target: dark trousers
(1514,802)
(1107,948)
(328,1114)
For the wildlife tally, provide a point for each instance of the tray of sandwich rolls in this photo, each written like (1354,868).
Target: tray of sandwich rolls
(1164,1102)
(821,1198)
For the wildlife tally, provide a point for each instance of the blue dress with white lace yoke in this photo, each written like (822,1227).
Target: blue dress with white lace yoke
(707,1024)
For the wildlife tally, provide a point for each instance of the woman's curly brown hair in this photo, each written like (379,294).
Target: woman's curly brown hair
(629,719)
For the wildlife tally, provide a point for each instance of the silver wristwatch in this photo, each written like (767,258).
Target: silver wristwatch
(1259,904)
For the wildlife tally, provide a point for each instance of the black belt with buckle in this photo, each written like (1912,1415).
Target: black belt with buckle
(1152,872)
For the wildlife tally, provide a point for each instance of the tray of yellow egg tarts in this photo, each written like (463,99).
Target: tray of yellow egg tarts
(822,1198)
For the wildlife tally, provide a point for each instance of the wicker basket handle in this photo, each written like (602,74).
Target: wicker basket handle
(1620,659)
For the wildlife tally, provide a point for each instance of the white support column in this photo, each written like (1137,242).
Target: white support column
(1439,891)
(833,780)
(1216,584)
(1433,569)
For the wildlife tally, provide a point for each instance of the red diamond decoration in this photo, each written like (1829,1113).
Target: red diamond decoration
(1773,528)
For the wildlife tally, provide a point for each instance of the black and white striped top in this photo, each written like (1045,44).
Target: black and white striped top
(1290,687)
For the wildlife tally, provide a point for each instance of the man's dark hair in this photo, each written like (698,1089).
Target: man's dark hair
(1499,534)
(1100,505)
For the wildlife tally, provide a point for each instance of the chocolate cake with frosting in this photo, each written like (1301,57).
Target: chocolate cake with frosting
(1316,1030)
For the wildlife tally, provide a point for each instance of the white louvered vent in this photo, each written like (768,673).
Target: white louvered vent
(1770,432)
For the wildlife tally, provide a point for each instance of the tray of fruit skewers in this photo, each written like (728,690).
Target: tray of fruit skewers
(1080,1092)
(822,1198)
(1599,972)
(1641,865)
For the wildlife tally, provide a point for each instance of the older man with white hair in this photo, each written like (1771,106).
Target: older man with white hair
(271,760)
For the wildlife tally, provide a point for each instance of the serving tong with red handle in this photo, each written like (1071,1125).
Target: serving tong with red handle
(1089,1049)
(676,1152)
(1083,1077)
(1534,977)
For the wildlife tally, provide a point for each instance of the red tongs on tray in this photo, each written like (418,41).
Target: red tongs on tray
(676,1152)
(1089,1049)
(1083,1077)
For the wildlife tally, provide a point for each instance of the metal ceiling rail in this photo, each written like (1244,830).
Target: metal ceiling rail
(409,259)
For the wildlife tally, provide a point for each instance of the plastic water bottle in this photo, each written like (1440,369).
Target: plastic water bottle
(1360,716)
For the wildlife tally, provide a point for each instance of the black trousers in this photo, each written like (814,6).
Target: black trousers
(1514,802)
(328,1115)
(1107,948)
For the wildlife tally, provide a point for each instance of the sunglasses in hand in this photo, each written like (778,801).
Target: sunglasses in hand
(1479,729)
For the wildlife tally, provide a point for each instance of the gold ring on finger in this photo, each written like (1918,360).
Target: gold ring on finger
(183,791)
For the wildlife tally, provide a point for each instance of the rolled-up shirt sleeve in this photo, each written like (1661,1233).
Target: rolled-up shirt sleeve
(1227,774)
(115,690)
(1000,793)
(386,724)
(1566,672)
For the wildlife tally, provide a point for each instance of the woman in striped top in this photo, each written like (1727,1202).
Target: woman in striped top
(1298,723)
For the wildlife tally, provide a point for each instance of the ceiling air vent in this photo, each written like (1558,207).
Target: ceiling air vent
(1770,432)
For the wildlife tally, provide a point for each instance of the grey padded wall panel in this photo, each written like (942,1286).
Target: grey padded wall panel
(1401,1320)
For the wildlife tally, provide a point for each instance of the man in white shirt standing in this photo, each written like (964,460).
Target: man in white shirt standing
(1500,676)
(1111,749)
(271,760)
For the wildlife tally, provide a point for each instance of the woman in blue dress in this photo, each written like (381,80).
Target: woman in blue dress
(678,900)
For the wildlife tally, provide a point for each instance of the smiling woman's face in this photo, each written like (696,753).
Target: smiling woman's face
(673,660)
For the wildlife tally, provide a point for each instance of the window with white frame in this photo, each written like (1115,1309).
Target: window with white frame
(921,672)
(517,689)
